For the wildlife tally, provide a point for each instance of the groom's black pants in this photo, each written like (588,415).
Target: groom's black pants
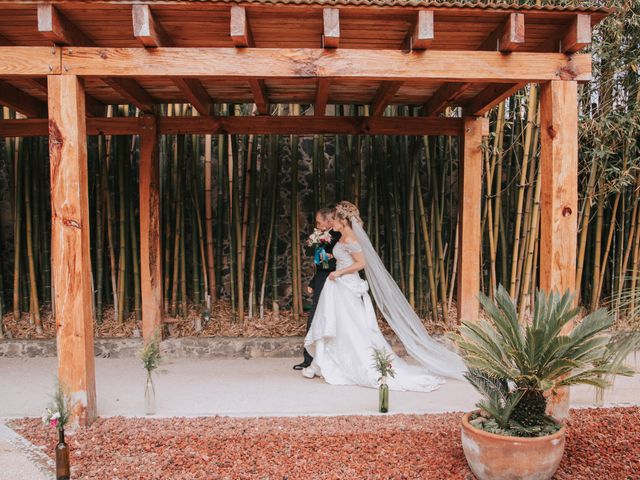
(317,284)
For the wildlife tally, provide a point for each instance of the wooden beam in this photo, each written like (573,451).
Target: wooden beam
(470,237)
(55,27)
(19,101)
(132,92)
(423,32)
(322,96)
(152,35)
(241,37)
(578,35)
(330,27)
(490,97)
(58,29)
(4,41)
(384,96)
(509,36)
(150,238)
(444,96)
(559,202)
(299,125)
(559,177)
(37,127)
(195,93)
(259,90)
(70,243)
(513,33)
(265,63)
(309,125)
(29,61)
(146,29)
(239,28)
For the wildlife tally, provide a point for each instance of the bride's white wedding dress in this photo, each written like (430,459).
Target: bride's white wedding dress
(344,330)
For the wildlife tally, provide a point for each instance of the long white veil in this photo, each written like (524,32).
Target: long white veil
(431,354)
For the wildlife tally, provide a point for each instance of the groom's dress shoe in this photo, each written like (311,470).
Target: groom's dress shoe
(300,366)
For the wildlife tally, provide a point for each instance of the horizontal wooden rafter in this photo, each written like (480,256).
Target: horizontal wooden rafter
(490,97)
(383,97)
(152,35)
(196,94)
(259,91)
(19,101)
(146,29)
(423,30)
(265,63)
(578,35)
(55,27)
(29,61)
(513,33)
(509,36)
(132,92)
(262,125)
(239,27)
(330,27)
(444,96)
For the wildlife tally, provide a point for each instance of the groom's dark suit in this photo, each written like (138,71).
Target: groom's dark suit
(318,280)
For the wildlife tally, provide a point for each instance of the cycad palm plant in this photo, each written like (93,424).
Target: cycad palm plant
(513,364)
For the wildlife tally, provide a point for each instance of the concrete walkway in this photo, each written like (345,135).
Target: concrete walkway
(239,387)
(233,387)
(20,460)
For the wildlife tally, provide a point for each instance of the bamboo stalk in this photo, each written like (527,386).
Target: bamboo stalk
(17,226)
(208,215)
(34,302)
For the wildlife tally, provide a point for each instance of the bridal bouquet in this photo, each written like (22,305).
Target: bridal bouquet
(318,240)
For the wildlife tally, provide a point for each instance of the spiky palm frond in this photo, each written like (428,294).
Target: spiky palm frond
(498,401)
(539,355)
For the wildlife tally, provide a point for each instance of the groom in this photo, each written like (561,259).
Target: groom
(324,222)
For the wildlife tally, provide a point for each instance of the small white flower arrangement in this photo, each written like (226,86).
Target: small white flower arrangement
(58,412)
(382,363)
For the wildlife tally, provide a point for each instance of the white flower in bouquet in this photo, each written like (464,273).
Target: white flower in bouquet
(318,237)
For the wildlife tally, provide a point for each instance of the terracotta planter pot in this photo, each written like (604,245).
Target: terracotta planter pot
(498,457)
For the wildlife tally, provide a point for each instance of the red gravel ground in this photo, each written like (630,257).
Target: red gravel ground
(602,444)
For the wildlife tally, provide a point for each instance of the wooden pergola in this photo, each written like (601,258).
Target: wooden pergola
(62,63)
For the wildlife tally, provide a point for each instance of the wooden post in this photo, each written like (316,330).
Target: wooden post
(470,237)
(559,200)
(70,246)
(559,189)
(150,248)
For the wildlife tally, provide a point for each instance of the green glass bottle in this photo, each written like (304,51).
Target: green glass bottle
(383,393)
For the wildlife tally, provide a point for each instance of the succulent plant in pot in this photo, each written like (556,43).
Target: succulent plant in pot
(516,365)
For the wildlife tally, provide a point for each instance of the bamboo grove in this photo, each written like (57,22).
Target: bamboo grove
(236,209)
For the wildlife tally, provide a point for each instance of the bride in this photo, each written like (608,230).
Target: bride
(345,329)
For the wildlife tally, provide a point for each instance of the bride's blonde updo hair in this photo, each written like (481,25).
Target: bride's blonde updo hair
(347,211)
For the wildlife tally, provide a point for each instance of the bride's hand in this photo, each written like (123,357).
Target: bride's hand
(333,275)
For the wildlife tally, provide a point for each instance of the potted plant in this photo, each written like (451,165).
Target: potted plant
(57,415)
(150,356)
(515,366)
(382,364)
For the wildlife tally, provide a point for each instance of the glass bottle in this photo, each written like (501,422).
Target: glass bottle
(149,397)
(63,471)
(383,393)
